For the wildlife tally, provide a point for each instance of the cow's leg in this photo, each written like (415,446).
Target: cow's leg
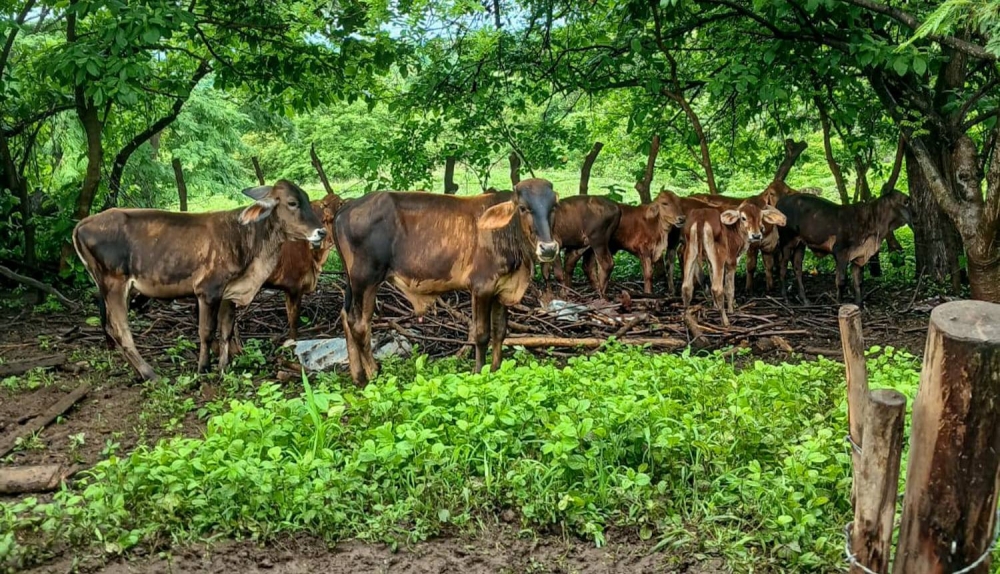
(363,331)
(227,319)
(857,272)
(348,316)
(769,259)
(797,257)
(605,265)
(572,257)
(841,275)
(115,295)
(647,273)
(498,332)
(730,288)
(718,283)
(751,267)
(293,308)
(671,258)
(481,316)
(208,314)
(690,272)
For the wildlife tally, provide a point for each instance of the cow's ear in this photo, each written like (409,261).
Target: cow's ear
(730,216)
(556,193)
(774,217)
(497,216)
(259,192)
(258,211)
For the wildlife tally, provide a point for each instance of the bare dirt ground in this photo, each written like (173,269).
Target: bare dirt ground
(120,413)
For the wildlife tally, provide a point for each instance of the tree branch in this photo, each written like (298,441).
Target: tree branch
(17,129)
(9,43)
(913,23)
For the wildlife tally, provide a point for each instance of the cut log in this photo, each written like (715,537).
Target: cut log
(25,479)
(15,368)
(7,442)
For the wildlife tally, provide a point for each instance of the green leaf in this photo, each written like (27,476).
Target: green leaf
(919,65)
(636,45)
(900,65)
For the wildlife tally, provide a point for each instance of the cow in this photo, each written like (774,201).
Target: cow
(642,231)
(429,245)
(851,233)
(222,258)
(722,238)
(585,222)
(768,246)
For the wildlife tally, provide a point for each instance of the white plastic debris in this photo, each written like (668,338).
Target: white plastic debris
(325,354)
(564,310)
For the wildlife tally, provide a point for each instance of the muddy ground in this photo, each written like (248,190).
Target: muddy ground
(119,413)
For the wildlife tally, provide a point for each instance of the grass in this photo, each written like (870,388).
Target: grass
(687,451)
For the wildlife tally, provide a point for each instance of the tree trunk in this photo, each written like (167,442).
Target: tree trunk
(13,180)
(937,241)
(449,176)
(706,157)
(793,150)
(182,190)
(588,163)
(643,185)
(257,170)
(515,169)
(838,176)
(319,169)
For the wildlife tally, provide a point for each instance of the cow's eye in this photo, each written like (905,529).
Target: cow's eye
(523,209)
(293,204)
(743,217)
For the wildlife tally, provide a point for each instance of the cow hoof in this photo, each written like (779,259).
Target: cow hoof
(148,374)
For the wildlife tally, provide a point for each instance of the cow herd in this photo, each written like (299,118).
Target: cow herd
(428,245)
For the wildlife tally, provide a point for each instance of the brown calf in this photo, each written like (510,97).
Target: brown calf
(722,238)
(644,231)
(429,244)
(851,233)
(585,222)
(222,258)
(299,265)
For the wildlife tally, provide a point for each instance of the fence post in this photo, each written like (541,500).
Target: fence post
(877,481)
(857,382)
(950,504)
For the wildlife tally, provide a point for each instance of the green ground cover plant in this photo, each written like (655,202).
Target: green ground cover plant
(693,452)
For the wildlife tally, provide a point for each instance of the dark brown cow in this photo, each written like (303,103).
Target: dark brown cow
(299,265)
(585,222)
(768,246)
(429,244)
(722,238)
(643,231)
(222,258)
(851,233)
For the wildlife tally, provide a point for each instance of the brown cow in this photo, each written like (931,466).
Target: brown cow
(643,231)
(674,239)
(299,265)
(585,222)
(851,233)
(429,244)
(222,258)
(722,238)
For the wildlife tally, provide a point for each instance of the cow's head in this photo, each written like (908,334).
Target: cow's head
(289,207)
(326,209)
(668,208)
(751,220)
(533,202)
(899,208)
(775,191)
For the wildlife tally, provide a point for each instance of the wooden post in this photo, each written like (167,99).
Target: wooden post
(515,169)
(319,169)
(257,170)
(951,478)
(182,190)
(857,381)
(449,176)
(642,186)
(588,163)
(877,481)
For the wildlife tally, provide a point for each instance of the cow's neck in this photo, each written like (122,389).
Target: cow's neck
(509,245)
(257,253)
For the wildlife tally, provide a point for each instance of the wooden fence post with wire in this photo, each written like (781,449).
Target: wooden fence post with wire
(949,519)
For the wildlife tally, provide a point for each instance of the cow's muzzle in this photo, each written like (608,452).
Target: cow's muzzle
(316,238)
(755,237)
(679,222)
(547,251)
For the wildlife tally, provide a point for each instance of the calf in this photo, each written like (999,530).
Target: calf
(222,258)
(644,230)
(722,238)
(851,233)
(585,222)
(768,245)
(428,245)
(299,265)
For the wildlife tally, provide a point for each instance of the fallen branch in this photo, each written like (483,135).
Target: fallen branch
(38,285)
(15,368)
(697,334)
(7,443)
(629,324)
(24,479)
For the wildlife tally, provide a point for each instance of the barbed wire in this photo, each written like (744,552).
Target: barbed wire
(854,445)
